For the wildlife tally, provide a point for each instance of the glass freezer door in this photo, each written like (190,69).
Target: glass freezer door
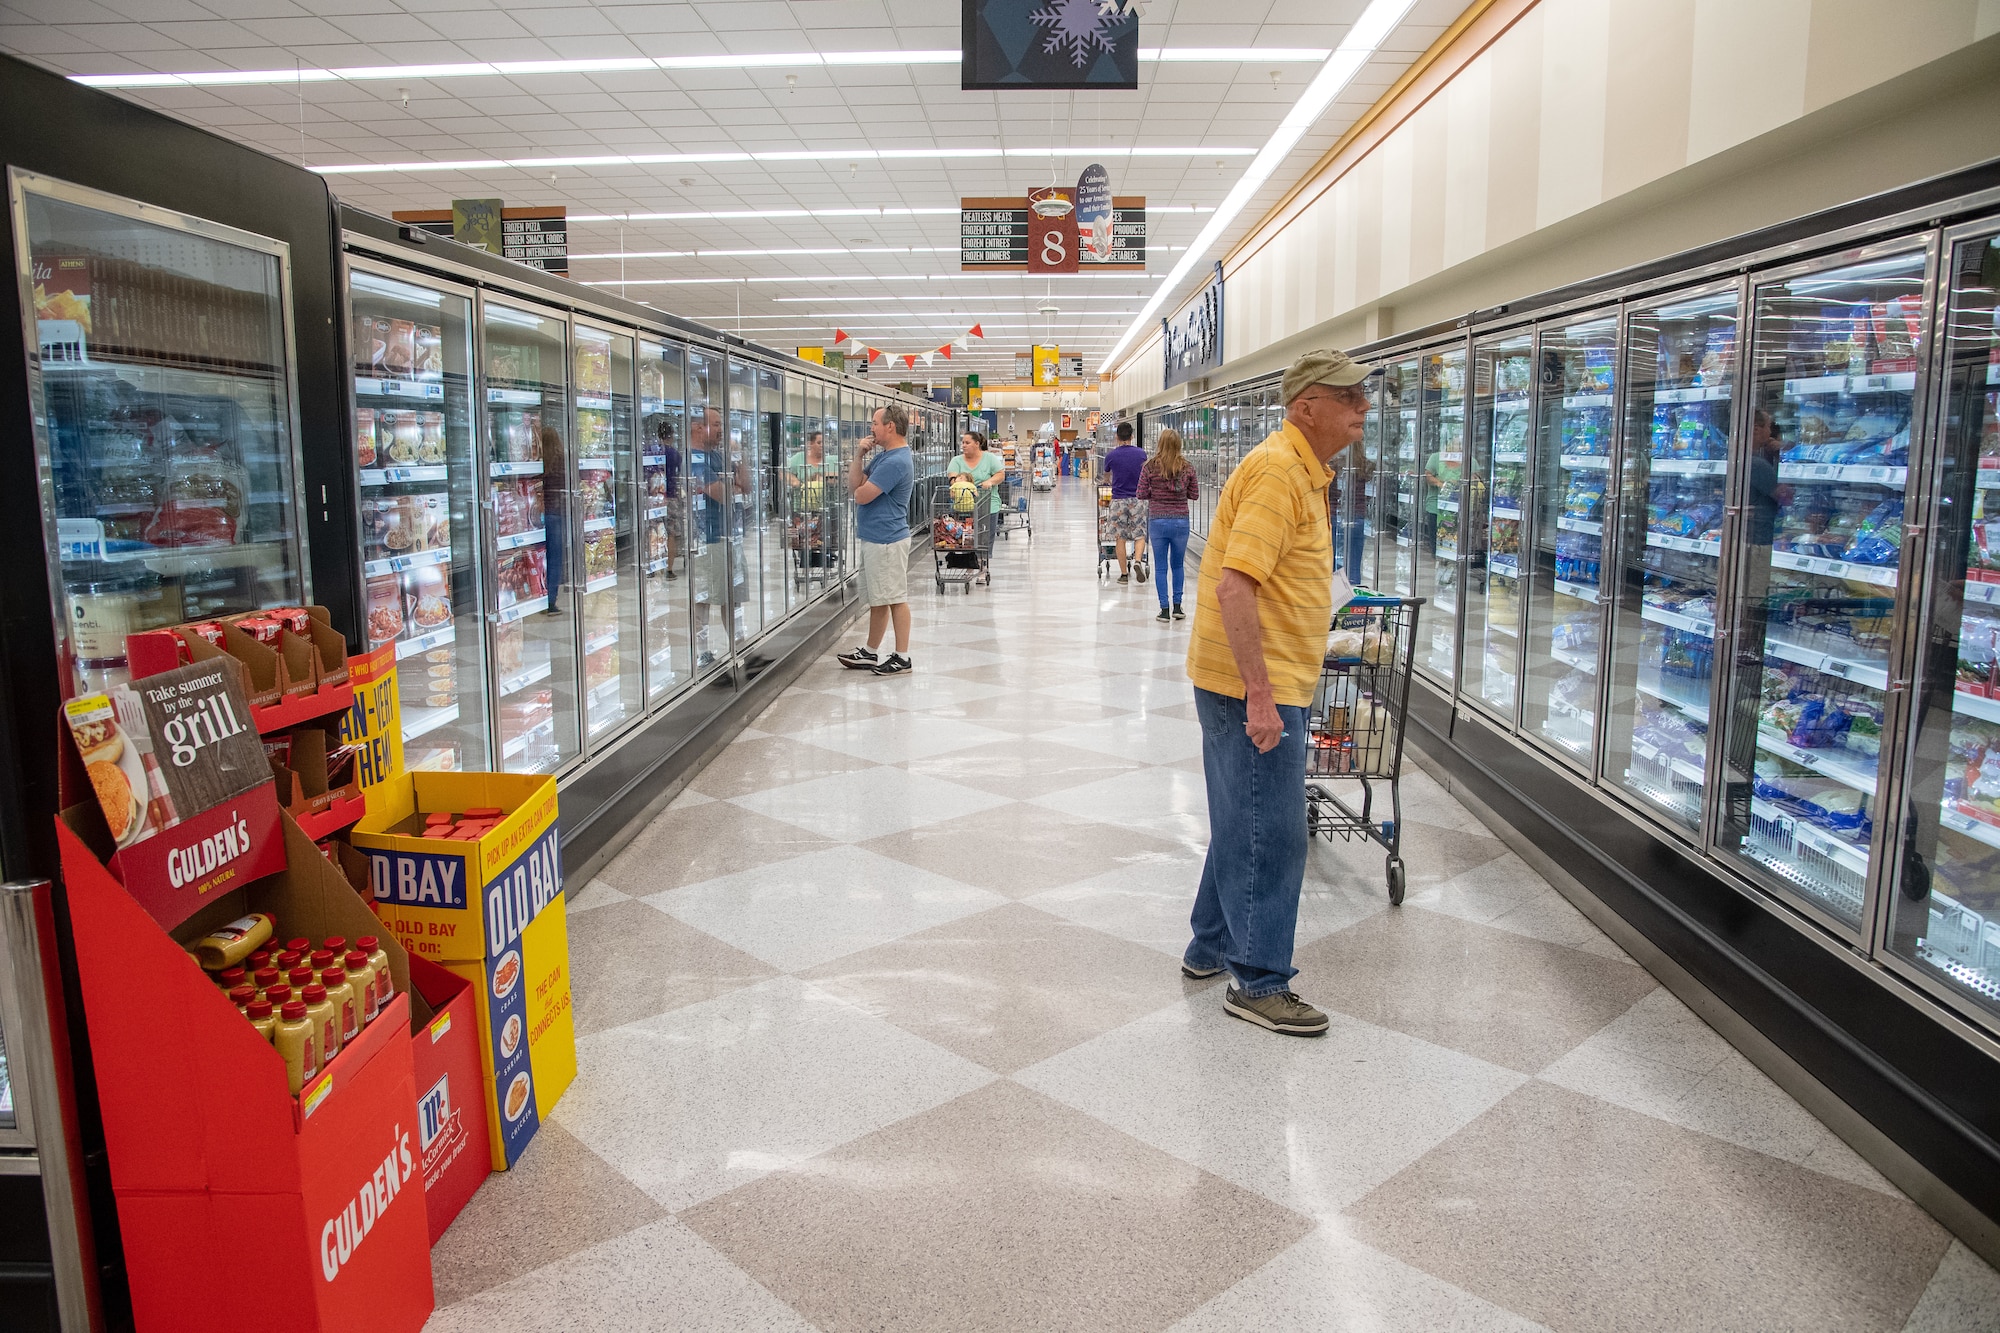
(1497,468)
(420,493)
(1364,486)
(165,431)
(1440,485)
(533,577)
(744,528)
(1402,393)
(1572,471)
(773,447)
(663,513)
(606,509)
(1946,913)
(1680,378)
(1835,364)
(708,506)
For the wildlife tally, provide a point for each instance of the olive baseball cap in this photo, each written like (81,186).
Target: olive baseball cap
(1323,367)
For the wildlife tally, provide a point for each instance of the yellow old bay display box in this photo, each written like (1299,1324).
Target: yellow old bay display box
(489,909)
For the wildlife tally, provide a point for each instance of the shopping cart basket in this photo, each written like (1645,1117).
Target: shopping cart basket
(1014,511)
(961,535)
(1355,730)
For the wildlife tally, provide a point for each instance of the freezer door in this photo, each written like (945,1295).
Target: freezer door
(534,577)
(1945,916)
(1680,384)
(812,490)
(1834,363)
(1402,394)
(743,508)
(161,369)
(1440,484)
(1494,518)
(664,518)
(421,492)
(607,523)
(775,445)
(712,589)
(1365,489)
(1572,474)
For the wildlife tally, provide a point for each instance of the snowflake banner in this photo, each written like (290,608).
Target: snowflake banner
(1050,44)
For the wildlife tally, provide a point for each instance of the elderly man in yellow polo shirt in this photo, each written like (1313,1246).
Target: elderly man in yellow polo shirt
(1260,629)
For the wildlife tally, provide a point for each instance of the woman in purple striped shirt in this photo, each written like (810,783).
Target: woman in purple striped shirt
(1166,484)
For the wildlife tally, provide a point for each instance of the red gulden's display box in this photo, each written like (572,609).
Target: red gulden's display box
(239,1202)
(451,1099)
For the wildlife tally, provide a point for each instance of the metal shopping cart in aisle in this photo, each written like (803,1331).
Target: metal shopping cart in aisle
(1355,729)
(961,545)
(1015,514)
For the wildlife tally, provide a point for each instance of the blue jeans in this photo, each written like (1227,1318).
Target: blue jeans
(1169,537)
(1247,909)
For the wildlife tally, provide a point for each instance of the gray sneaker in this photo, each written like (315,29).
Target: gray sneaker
(1281,1012)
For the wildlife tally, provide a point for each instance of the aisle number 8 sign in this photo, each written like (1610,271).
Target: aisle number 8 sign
(1052,234)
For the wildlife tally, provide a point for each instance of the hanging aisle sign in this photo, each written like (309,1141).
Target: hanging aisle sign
(1049,44)
(1052,238)
(993,234)
(537,237)
(1192,339)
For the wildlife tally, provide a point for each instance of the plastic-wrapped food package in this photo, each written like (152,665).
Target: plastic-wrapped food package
(1879,538)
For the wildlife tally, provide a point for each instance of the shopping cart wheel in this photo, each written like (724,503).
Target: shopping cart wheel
(940,585)
(1396,880)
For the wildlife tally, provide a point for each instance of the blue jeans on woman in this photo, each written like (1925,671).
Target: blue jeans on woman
(1246,911)
(1169,537)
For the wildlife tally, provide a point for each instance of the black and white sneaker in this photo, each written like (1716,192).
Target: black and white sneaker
(860,659)
(895,664)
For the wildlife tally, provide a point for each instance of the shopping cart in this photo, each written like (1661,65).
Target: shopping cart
(1107,542)
(1014,512)
(961,535)
(1355,729)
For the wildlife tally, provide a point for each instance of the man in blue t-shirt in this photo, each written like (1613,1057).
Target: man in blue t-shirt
(1128,511)
(881,477)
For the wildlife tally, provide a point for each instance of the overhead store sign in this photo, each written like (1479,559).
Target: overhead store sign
(1052,242)
(1192,340)
(1048,367)
(1024,367)
(994,234)
(537,237)
(1050,44)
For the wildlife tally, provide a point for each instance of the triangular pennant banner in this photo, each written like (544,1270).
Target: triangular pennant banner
(945,351)
(874,355)
(909,360)
(977,332)
(839,337)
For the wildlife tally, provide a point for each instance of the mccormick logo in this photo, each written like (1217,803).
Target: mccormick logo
(185,865)
(343,1233)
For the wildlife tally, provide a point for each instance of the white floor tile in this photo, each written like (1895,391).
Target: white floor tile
(1330,1283)
(854,807)
(1300,1122)
(705,1098)
(895,737)
(1171,802)
(594,894)
(798,913)
(1963,1296)
(1151,740)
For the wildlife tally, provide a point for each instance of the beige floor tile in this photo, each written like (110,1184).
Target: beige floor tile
(558,1199)
(1963,1296)
(1007,987)
(1002,1210)
(813,708)
(704,842)
(634,961)
(1514,1001)
(1586,1216)
(771,761)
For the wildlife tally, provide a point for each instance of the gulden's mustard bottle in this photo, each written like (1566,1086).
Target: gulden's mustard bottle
(378,958)
(261,1018)
(361,975)
(325,1020)
(293,1036)
(346,1004)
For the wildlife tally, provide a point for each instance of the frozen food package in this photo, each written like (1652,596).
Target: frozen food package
(402,354)
(428,363)
(385,609)
(430,437)
(1897,324)
(377,359)
(364,437)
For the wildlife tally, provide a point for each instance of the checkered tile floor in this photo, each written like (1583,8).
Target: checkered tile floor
(881,1028)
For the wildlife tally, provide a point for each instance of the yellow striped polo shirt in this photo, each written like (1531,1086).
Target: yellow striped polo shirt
(1271,523)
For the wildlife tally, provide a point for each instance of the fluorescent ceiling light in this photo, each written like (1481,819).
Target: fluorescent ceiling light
(873,277)
(788,250)
(626,64)
(776,155)
(738,214)
(1368,33)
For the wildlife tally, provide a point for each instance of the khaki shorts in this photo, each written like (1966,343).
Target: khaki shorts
(885,572)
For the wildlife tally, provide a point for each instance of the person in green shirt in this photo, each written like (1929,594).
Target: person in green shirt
(984,469)
(808,474)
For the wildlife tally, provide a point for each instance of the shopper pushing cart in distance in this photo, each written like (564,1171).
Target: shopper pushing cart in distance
(1128,511)
(1265,600)
(983,469)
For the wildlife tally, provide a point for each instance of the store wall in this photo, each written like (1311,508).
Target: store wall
(1594,134)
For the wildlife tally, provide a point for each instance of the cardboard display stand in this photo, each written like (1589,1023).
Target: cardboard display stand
(237,1201)
(451,1131)
(490,911)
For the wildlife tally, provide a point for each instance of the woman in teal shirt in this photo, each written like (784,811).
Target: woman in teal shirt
(985,469)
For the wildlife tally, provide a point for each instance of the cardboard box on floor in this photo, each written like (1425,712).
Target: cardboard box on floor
(490,911)
(236,1199)
(451,1127)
